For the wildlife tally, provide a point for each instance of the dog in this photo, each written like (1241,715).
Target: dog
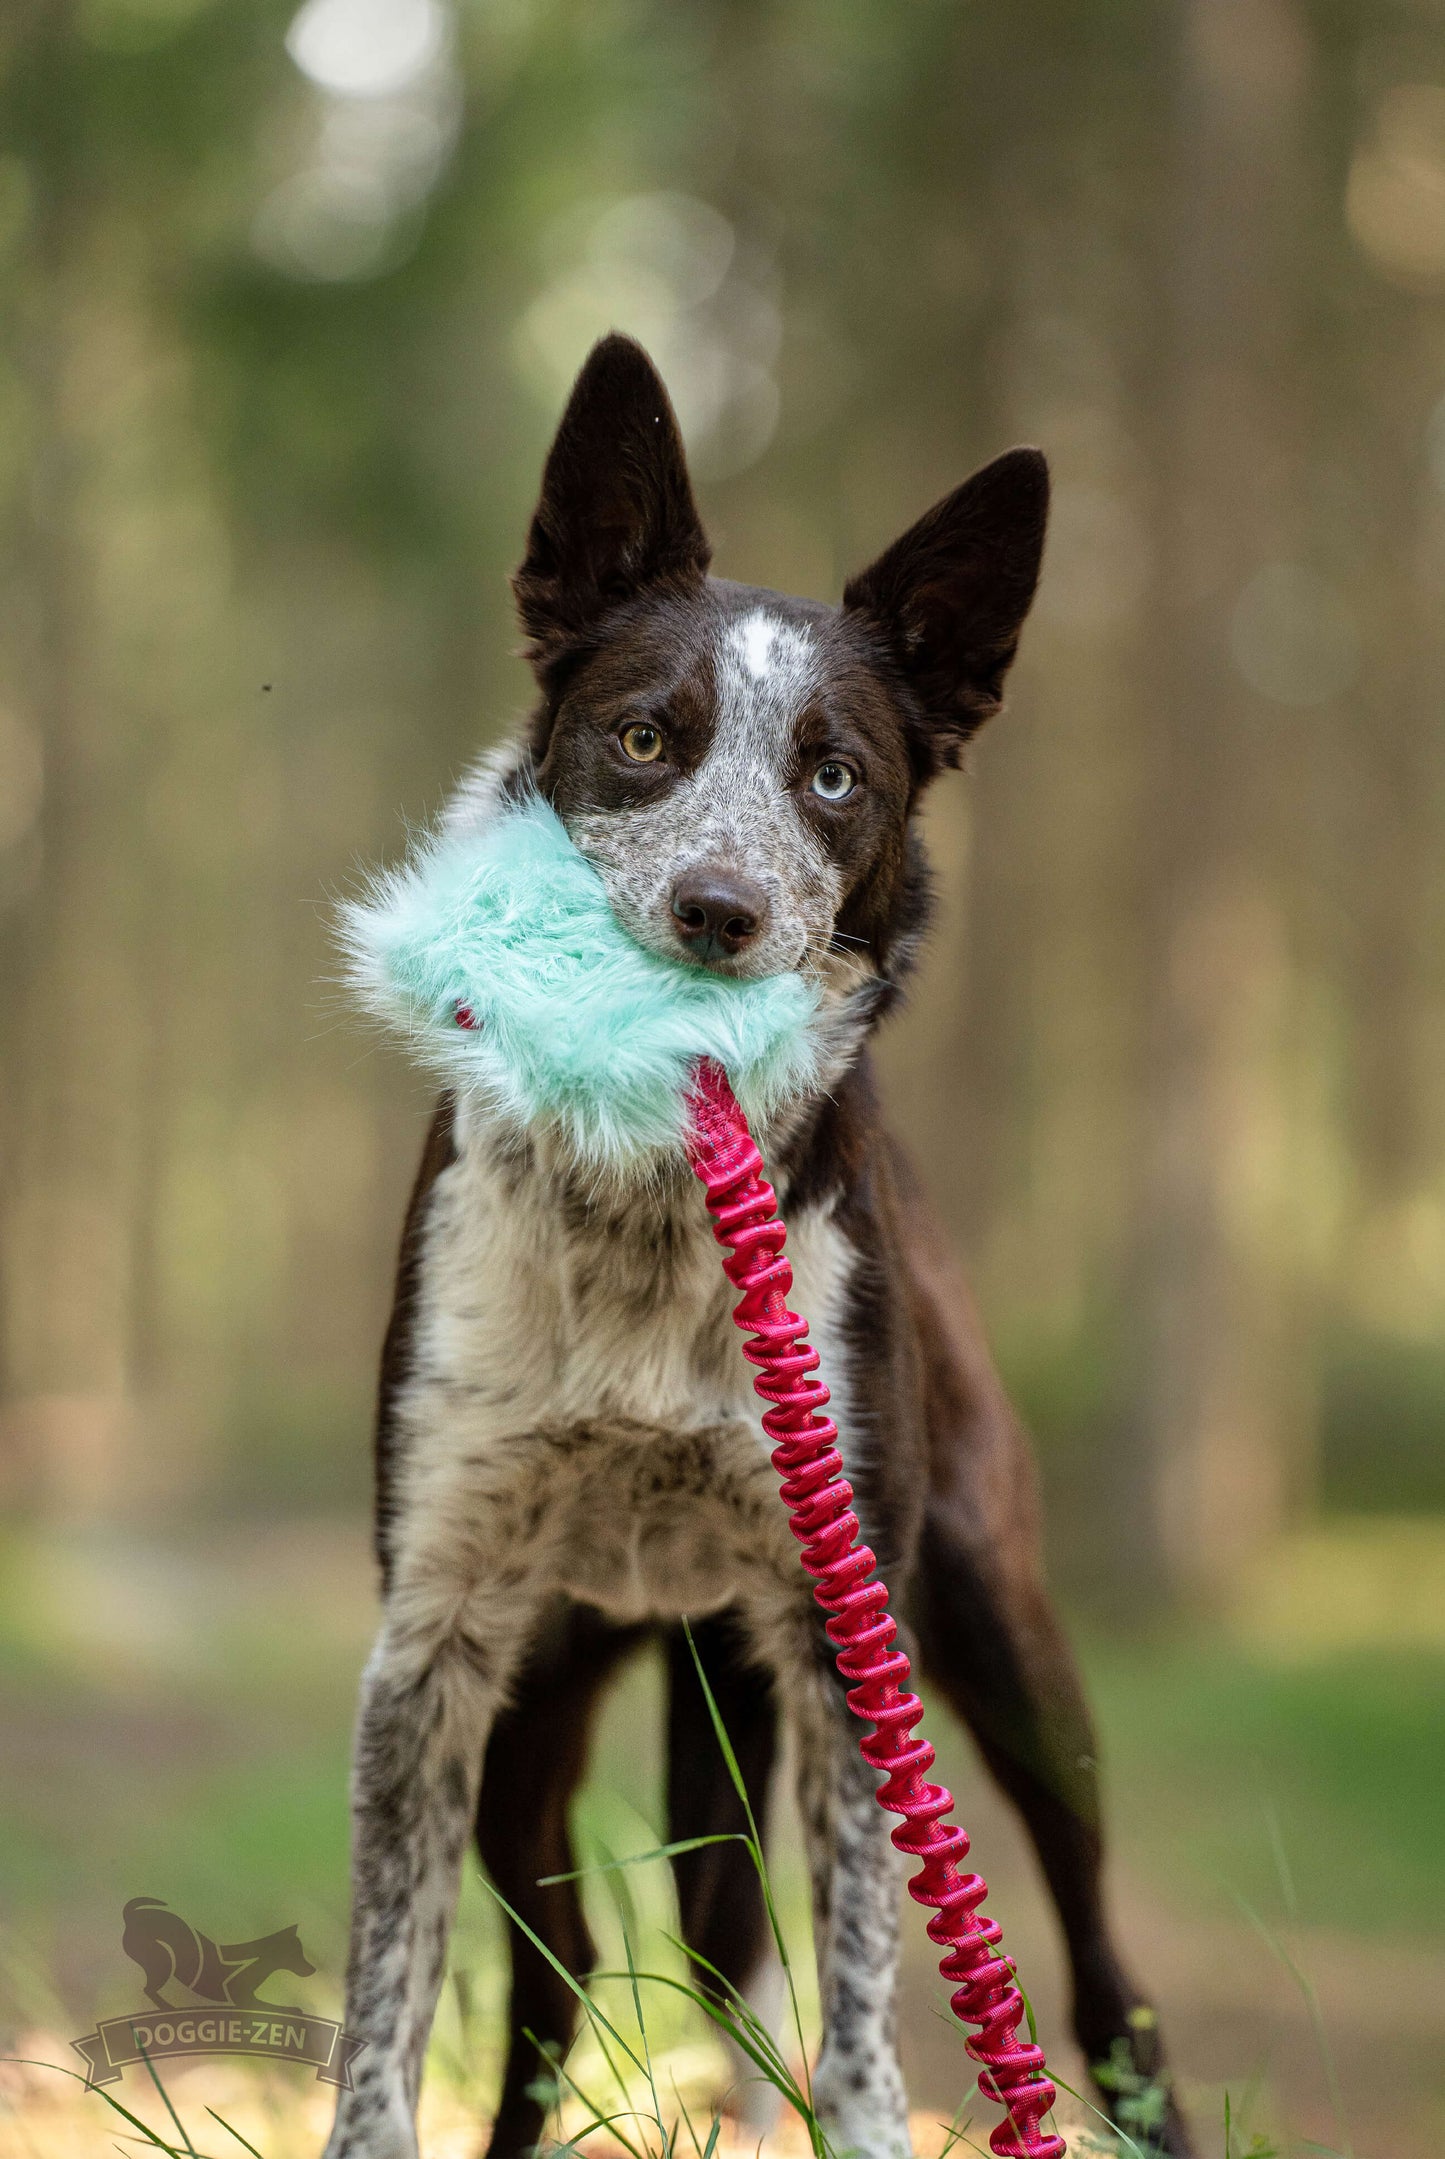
(568,1454)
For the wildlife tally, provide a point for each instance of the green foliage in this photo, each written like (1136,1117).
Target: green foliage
(220,469)
(1382,1417)
(720,2002)
(1209,1743)
(1138,2103)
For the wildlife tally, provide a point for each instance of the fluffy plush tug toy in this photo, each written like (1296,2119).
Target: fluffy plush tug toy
(497,953)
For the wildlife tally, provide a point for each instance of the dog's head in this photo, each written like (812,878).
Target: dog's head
(740,767)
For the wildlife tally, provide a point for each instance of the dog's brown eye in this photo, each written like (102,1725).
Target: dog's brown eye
(642,742)
(833,780)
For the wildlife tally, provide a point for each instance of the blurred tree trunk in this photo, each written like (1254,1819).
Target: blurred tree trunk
(68,1321)
(1212,1464)
(1390,841)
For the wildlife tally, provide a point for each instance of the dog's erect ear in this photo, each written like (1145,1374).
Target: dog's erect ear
(949,598)
(616,512)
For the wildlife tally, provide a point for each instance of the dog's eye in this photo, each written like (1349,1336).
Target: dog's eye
(642,742)
(833,780)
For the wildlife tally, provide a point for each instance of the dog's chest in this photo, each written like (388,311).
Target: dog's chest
(546,1305)
(578,1370)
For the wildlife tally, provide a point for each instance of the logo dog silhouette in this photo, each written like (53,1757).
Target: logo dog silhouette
(170,1953)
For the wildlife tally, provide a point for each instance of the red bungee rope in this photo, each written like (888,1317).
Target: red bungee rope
(744,1209)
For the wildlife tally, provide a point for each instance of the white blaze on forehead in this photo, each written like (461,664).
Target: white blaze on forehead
(755,636)
(766,671)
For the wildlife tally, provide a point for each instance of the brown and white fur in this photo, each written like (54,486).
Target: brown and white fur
(568,1449)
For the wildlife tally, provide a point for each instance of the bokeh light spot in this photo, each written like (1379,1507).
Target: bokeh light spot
(367,48)
(1395,196)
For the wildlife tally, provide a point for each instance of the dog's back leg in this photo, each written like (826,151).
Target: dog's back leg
(535,1760)
(720,1900)
(991,1643)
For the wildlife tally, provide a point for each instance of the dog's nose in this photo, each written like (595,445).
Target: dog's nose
(717,912)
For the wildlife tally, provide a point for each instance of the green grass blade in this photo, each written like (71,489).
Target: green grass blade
(753,1839)
(954,2129)
(155,2077)
(549,2056)
(682,2110)
(23,2061)
(731,2000)
(642,1859)
(150,2145)
(1112,2126)
(738,2008)
(597,2025)
(642,2026)
(721,1731)
(562,1972)
(233,2132)
(760,1863)
(1316,2017)
(1282,1866)
(776,2073)
(598,2120)
(627,1917)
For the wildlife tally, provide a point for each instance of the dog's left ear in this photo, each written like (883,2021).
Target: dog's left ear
(616,513)
(950,597)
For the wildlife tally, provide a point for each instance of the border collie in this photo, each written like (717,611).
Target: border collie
(568,1453)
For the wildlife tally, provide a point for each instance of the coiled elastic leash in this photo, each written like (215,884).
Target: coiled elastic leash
(819,1498)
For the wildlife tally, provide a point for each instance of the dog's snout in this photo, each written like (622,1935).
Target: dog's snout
(716,912)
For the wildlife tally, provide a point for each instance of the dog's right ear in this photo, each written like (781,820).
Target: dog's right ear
(949,599)
(616,512)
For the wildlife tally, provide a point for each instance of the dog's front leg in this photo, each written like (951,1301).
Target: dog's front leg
(856,1876)
(428,1698)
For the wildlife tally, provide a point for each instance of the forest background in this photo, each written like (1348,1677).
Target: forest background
(288,303)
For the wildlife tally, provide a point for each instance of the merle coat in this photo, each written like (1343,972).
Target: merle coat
(568,1450)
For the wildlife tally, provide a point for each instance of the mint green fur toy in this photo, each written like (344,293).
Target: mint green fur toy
(576,1028)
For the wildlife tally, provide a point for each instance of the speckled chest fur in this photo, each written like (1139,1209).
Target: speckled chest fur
(574,1364)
